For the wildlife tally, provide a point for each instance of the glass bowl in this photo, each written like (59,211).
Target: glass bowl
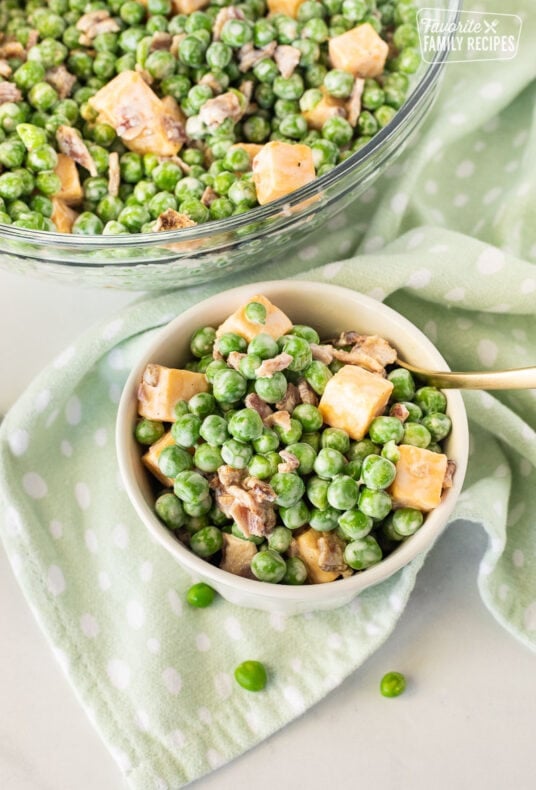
(149,261)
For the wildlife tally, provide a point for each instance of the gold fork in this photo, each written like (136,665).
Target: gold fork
(516,379)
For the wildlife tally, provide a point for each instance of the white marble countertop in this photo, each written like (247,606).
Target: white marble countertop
(465,722)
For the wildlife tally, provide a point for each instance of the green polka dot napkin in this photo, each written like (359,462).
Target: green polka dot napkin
(445,237)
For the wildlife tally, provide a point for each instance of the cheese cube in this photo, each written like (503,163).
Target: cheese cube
(237,555)
(161,388)
(419,478)
(150,458)
(71,190)
(353,398)
(277,323)
(280,168)
(361,51)
(326,108)
(308,552)
(144,124)
(188,6)
(288,7)
(62,216)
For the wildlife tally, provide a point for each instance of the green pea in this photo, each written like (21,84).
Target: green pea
(190,486)
(236,453)
(214,430)
(392,684)
(279,539)
(300,351)
(362,553)
(246,425)
(336,439)
(324,520)
(251,675)
(376,504)
(307,332)
(317,376)
(86,224)
(416,434)
(271,388)
(296,572)
(149,431)
(377,472)
(268,566)
(329,463)
(289,435)
(208,458)
(206,542)
(199,508)
(185,430)
(342,492)
(391,452)
(431,400)
(255,311)
(339,83)
(309,416)
(438,424)
(202,404)
(168,507)
(202,341)
(403,384)
(406,521)
(295,516)
(260,467)
(236,32)
(228,386)
(200,595)
(180,409)
(414,411)
(359,450)
(230,341)
(213,367)
(173,460)
(289,488)
(305,455)
(355,524)
(317,492)
(248,366)
(266,443)
(237,532)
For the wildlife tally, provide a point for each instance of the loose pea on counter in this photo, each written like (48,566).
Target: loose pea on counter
(120,117)
(288,460)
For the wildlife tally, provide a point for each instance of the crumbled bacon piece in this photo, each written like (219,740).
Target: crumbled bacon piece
(5,69)
(223,16)
(322,353)
(370,352)
(234,358)
(174,129)
(307,393)
(61,80)
(290,399)
(175,43)
(114,175)
(12,49)
(33,38)
(273,365)
(400,412)
(331,553)
(287,58)
(144,74)
(281,418)
(260,490)
(290,462)
(9,93)
(94,23)
(246,88)
(215,111)
(348,338)
(173,220)
(254,517)
(210,80)
(71,144)
(249,56)
(449,474)
(254,401)
(208,197)
(161,40)
(353,105)
(228,475)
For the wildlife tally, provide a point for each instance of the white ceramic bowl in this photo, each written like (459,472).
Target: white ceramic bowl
(329,309)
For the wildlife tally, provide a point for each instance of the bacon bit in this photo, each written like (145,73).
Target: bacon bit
(208,197)
(215,111)
(223,16)
(307,393)
(331,553)
(9,93)
(217,355)
(5,69)
(322,353)
(176,42)
(353,105)
(131,123)
(378,348)
(249,56)
(161,40)
(174,129)
(237,555)
(281,418)
(210,80)
(173,220)
(347,338)
(358,357)
(12,49)
(449,474)
(293,549)
(61,80)
(233,359)
(290,462)
(246,88)
(287,58)
(290,399)
(260,490)
(114,175)
(94,23)
(270,366)
(254,517)
(254,401)
(400,412)
(33,38)
(71,144)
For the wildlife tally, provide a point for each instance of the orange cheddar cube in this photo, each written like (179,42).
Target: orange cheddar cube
(277,323)
(281,168)
(326,108)
(150,458)
(62,216)
(419,478)
(161,388)
(71,190)
(308,552)
(142,121)
(287,7)
(353,397)
(361,51)
(188,6)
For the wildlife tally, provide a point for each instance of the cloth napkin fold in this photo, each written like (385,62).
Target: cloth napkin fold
(156,676)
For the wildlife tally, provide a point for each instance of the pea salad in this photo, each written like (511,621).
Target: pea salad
(287,459)
(119,117)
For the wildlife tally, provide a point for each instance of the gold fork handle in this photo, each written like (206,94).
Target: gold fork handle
(516,379)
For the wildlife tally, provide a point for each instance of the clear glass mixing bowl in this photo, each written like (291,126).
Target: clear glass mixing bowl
(149,261)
